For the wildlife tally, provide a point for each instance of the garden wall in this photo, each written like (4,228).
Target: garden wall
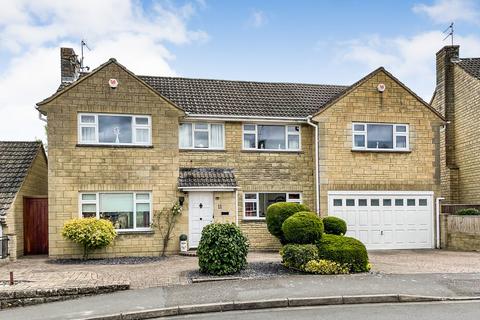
(459,232)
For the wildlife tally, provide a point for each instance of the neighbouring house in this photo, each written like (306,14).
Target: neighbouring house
(122,146)
(23,199)
(457,98)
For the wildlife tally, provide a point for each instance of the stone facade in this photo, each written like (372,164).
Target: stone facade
(260,171)
(460,232)
(78,168)
(457,96)
(74,168)
(35,184)
(341,168)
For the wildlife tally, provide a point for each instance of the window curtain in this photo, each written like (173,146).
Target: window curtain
(186,135)
(88,134)
(216,136)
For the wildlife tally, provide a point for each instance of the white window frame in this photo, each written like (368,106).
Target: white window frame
(396,134)
(209,130)
(287,134)
(135,126)
(257,199)
(135,202)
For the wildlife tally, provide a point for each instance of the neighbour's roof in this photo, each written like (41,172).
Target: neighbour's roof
(15,160)
(206,177)
(471,66)
(244,98)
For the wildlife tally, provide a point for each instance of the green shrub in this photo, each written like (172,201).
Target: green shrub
(295,256)
(325,267)
(302,228)
(277,213)
(91,233)
(468,212)
(344,250)
(222,250)
(334,225)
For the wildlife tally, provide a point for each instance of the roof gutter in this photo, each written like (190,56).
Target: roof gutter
(317,168)
(198,116)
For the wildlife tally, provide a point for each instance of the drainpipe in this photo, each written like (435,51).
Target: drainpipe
(437,221)
(236,207)
(317,169)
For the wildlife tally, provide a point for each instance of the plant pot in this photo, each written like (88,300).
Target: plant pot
(184,246)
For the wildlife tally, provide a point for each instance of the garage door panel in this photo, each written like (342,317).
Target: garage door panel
(386,221)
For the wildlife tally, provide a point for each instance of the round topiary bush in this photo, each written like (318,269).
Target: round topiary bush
(302,228)
(90,233)
(344,250)
(334,225)
(296,256)
(222,250)
(277,213)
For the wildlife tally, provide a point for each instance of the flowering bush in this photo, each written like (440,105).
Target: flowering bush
(91,233)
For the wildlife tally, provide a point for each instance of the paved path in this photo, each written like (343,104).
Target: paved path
(450,285)
(39,273)
(419,311)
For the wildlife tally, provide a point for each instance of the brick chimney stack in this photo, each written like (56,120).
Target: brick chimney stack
(69,65)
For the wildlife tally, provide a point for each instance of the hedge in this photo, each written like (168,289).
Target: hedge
(302,228)
(334,225)
(344,250)
(468,212)
(222,250)
(296,256)
(277,213)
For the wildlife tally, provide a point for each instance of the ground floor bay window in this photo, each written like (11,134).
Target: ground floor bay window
(128,211)
(255,204)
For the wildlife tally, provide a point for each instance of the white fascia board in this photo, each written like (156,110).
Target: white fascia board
(207,188)
(244,118)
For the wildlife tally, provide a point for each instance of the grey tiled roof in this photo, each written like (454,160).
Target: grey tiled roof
(471,65)
(15,160)
(206,177)
(244,98)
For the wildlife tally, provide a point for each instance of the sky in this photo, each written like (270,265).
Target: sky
(308,41)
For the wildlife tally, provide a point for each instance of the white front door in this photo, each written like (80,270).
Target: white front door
(200,213)
(386,220)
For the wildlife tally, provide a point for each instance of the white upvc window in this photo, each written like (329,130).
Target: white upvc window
(380,136)
(114,129)
(271,137)
(255,204)
(200,135)
(128,211)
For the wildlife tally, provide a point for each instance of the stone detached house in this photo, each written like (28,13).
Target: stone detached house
(457,98)
(122,146)
(23,198)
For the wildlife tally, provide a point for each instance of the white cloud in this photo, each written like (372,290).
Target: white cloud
(446,11)
(411,59)
(257,19)
(31,33)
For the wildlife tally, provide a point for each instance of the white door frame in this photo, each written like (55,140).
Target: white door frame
(190,216)
(429,194)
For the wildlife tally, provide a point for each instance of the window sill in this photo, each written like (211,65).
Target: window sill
(201,150)
(381,151)
(253,219)
(121,146)
(127,232)
(271,151)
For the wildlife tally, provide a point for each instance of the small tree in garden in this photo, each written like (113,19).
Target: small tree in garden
(165,220)
(91,233)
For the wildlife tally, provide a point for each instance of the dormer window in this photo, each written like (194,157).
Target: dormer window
(114,129)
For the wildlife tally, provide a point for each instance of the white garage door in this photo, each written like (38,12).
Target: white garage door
(386,220)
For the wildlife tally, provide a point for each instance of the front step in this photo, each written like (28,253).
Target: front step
(189,253)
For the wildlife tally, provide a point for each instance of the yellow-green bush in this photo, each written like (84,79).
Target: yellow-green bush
(325,267)
(90,233)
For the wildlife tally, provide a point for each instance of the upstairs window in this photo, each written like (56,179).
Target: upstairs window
(114,129)
(199,135)
(380,136)
(271,137)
